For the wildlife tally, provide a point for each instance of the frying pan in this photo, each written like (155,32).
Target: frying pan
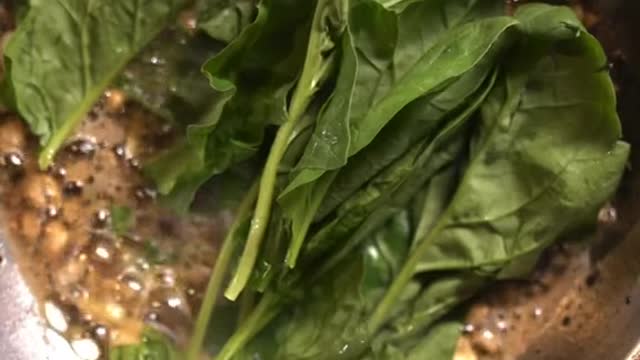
(610,310)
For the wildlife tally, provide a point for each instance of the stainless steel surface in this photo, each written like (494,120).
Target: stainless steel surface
(23,334)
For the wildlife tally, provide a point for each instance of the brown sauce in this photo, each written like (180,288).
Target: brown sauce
(103,283)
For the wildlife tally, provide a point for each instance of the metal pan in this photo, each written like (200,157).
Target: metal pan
(611,309)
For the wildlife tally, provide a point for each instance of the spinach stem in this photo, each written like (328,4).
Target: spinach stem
(313,71)
(247,304)
(262,213)
(217,275)
(264,312)
(399,283)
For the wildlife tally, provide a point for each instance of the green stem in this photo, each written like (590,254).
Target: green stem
(261,215)
(247,304)
(259,318)
(313,72)
(380,313)
(217,275)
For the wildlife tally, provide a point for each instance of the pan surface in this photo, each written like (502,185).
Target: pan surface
(609,310)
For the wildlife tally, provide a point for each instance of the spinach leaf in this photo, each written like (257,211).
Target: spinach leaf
(166,78)
(65,53)
(439,295)
(367,213)
(439,343)
(327,321)
(253,76)
(395,187)
(549,152)
(440,61)
(270,260)
(371,59)
(224,20)
(327,25)
(419,121)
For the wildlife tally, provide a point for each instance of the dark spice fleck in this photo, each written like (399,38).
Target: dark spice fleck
(73,188)
(592,278)
(58,172)
(627,300)
(566,321)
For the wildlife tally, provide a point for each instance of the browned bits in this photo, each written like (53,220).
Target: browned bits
(73,188)
(58,172)
(73,210)
(41,190)
(71,272)
(114,101)
(13,135)
(64,217)
(55,239)
(29,225)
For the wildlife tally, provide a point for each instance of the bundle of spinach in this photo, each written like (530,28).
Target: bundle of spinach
(422,149)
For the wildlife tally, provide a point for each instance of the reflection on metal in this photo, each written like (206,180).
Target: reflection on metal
(23,332)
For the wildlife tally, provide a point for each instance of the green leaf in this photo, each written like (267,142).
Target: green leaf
(547,149)
(370,58)
(391,75)
(79,46)
(252,76)
(327,321)
(396,185)
(154,346)
(166,78)
(438,343)
(439,295)
(327,24)
(417,123)
(224,20)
